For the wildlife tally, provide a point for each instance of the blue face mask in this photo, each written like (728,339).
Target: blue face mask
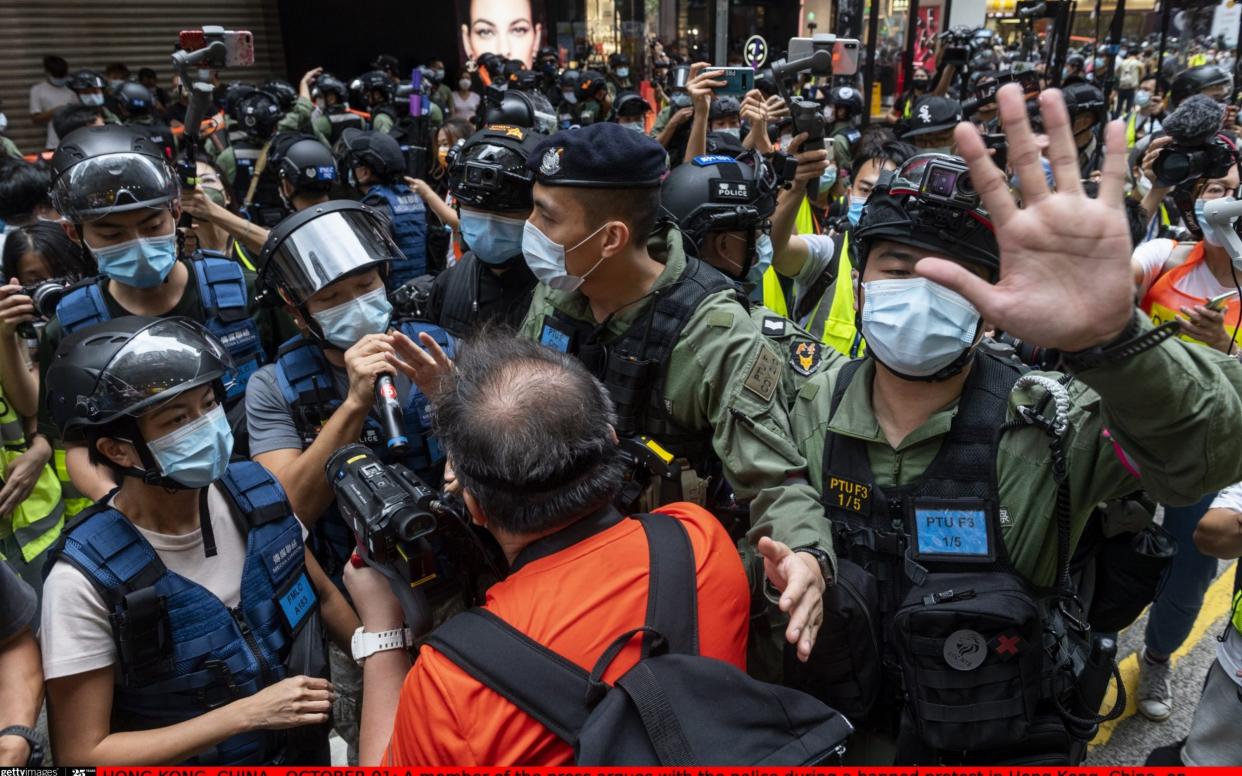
(196,454)
(916,327)
(856,209)
(761,262)
(828,179)
(142,263)
(623,72)
(494,239)
(350,321)
(546,259)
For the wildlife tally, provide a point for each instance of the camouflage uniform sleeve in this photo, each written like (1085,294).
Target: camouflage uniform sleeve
(723,374)
(227,162)
(382,122)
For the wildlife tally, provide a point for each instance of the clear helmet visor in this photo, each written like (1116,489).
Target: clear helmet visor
(327,248)
(160,362)
(113,183)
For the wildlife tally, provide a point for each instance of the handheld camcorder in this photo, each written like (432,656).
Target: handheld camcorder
(959,46)
(411,534)
(1198,150)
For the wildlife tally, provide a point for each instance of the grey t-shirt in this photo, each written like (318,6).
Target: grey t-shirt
(821,249)
(270,418)
(17,604)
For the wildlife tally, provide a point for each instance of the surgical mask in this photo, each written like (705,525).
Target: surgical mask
(828,179)
(916,327)
(1211,232)
(91,99)
(494,239)
(734,132)
(4,122)
(1099,63)
(142,263)
(464,84)
(637,126)
(546,258)
(762,260)
(348,322)
(57,81)
(856,209)
(438,74)
(623,72)
(1141,98)
(570,97)
(116,83)
(196,454)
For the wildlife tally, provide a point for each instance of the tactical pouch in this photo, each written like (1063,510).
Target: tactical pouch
(1130,570)
(969,645)
(629,382)
(845,669)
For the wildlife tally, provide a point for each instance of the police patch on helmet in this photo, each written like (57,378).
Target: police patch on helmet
(806,357)
(551,163)
(965,650)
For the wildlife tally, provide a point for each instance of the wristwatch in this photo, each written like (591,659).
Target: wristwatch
(32,737)
(823,559)
(364,644)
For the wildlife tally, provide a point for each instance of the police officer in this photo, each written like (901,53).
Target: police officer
(630,110)
(374,92)
(594,101)
(688,369)
(120,199)
(847,108)
(619,73)
(327,266)
(519,108)
(186,606)
(307,171)
(376,167)
(137,109)
(950,505)
(1211,80)
(90,87)
(721,207)
(1088,114)
(332,102)
(491,184)
(256,115)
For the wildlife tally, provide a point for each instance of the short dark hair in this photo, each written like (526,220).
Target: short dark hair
(23,188)
(74,116)
(881,148)
(528,431)
(638,208)
(117,67)
(55,66)
(146,72)
(49,240)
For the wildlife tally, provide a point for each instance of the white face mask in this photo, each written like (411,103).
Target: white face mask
(464,84)
(916,327)
(546,258)
(4,122)
(91,99)
(734,132)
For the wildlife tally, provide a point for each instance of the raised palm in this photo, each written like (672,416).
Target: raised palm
(1065,279)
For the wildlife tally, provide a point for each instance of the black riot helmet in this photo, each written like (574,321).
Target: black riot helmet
(1083,97)
(228,95)
(103,377)
(590,83)
(629,104)
(97,171)
(519,108)
(305,161)
(848,98)
(362,89)
(327,84)
(257,114)
(929,203)
(488,170)
(283,91)
(370,148)
(618,60)
(134,99)
(315,247)
(87,79)
(719,194)
(1196,80)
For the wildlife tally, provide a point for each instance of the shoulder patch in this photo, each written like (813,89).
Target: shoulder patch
(773,326)
(722,319)
(806,357)
(764,375)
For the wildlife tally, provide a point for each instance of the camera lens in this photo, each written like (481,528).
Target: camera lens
(965,185)
(941,182)
(47,296)
(1176,166)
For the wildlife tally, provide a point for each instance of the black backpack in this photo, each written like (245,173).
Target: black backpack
(674,707)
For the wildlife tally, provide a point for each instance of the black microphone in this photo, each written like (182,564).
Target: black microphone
(392,419)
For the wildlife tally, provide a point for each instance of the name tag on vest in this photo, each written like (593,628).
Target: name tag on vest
(952,530)
(554,335)
(297,600)
(849,495)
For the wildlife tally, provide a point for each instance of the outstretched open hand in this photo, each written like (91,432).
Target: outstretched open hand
(1065,278)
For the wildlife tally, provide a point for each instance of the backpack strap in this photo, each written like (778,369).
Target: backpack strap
(530,676)
(672,592)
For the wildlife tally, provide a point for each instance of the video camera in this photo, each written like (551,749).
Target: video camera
(959,46)
(410,533)
(1197,151)
(947,181)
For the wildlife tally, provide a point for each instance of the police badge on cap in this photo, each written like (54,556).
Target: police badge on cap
(551,163)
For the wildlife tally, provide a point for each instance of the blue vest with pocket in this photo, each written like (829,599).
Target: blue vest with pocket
(225,301)
(181,651)
(409,230)
(305,380)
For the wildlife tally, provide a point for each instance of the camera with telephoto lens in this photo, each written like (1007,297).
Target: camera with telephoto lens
(959,46)
(948,181)
(45,295)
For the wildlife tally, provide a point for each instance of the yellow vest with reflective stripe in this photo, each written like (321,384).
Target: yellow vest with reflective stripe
(804,222)
(36,522)
(1132,129)
(840,332)
(1237,611)
(773,294)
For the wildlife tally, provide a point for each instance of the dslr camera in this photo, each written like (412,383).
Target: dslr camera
(1191,158)
(45,295)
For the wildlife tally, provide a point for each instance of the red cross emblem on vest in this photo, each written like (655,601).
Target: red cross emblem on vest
(1007,645)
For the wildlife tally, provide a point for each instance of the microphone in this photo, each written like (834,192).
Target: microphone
(392,419)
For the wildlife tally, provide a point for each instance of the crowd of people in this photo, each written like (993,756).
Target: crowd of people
(393,409)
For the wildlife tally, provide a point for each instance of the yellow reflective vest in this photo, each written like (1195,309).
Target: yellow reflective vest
(36,522)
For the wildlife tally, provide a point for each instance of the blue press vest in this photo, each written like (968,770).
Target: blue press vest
(409,230)
(226,311)
(181,651)
(305,380)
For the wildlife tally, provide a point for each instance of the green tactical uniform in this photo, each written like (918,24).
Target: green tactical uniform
(1195,392)
(301,119)
(382,122)
(589,109)
(723,379)
(442,95)
(661,120)
(9,148)
(802,355)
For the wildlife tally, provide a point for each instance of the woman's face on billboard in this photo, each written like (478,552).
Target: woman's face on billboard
(503,27)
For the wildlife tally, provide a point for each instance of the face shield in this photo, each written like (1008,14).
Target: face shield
(164,360)
(317,252)
(113,183)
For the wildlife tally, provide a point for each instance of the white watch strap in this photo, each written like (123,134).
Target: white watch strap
(365,644)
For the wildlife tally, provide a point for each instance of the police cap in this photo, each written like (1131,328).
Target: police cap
(602,155)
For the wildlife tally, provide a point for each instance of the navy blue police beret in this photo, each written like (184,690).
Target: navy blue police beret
(602,155)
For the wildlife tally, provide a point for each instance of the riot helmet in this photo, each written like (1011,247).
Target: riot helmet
(488,170)
(257,114)
(134,99)
(1198,80)
(283,91)
(305,161)
(97,171)
(364,88)
(524,109)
